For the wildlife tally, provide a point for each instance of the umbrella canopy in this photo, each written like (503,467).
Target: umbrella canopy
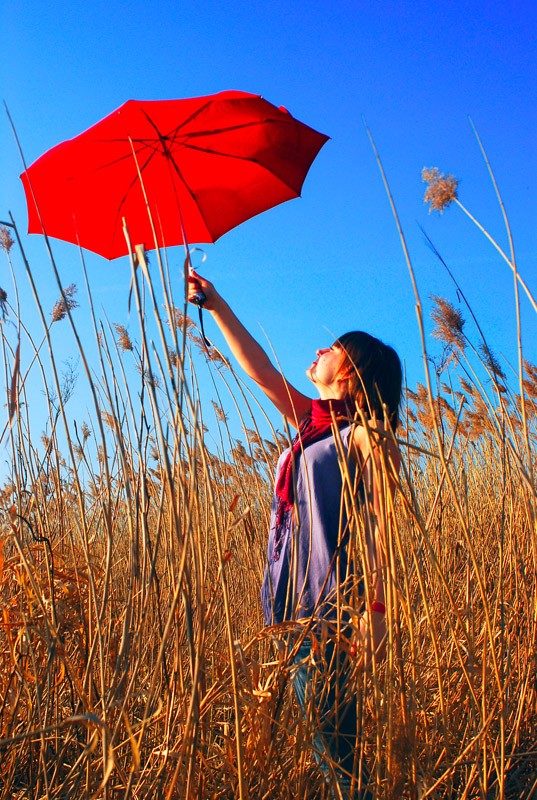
(202,165)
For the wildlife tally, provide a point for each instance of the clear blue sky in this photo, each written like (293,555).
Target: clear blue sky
(330,261)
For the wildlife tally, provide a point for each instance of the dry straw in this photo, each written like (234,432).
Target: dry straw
(133,659)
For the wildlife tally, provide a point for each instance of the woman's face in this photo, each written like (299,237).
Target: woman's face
(325,369)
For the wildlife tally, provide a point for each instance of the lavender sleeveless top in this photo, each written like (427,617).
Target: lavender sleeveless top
(307,553)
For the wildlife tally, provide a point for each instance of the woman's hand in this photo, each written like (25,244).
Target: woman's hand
(198,284)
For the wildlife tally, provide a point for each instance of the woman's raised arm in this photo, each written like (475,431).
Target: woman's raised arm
(251,356)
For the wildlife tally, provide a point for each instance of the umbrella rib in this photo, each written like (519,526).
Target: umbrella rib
(189,191)
(237,158)
(178,128)
(132,183)
(241,126)
(173,134)
(119,159)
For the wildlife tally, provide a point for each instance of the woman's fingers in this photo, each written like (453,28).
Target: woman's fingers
(196,285)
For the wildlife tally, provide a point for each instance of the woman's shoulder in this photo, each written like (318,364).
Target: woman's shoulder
(373,438)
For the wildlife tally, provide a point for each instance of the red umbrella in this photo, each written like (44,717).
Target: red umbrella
(204,164)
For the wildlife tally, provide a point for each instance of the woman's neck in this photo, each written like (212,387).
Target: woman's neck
(332,392)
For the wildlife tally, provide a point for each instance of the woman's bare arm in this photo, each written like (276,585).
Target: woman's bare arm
(251,356)
(380,458)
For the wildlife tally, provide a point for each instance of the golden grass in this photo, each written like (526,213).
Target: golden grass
(133,658)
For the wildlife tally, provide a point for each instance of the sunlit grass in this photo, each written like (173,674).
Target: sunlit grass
(133,658)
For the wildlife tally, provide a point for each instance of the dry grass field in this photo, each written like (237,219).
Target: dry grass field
(133,658)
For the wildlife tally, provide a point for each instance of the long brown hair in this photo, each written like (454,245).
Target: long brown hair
(374,374)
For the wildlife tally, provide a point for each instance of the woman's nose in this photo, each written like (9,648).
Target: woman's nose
(321,351)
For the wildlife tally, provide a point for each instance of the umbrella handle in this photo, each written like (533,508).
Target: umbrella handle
(199,299)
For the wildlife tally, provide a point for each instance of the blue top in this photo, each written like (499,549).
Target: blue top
(307,553)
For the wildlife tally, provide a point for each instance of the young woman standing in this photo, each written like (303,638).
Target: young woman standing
(326,562)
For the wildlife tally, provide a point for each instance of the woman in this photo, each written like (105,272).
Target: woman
(326,552)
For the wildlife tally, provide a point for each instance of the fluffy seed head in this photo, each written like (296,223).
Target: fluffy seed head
(491,362)
(6,239)
(441,189)
(65,304)
(449,323)
(124,340)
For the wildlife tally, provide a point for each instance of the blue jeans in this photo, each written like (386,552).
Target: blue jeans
(320,681)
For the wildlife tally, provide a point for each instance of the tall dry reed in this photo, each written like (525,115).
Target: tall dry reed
(134,662)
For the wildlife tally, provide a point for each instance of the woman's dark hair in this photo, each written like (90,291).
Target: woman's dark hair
(374,372)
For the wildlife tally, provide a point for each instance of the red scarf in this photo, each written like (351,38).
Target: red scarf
(314,427)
